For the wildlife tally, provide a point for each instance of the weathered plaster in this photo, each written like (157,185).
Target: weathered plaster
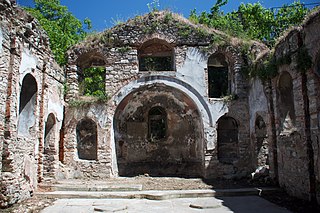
(56,106)
(27,118)
(192,71)
(28,62)
(257,101)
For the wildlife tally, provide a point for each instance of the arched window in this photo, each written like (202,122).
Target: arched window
(286,102)
(91,74)
(227,140)
(157,123)
(27,104)
(49,133)
(218,84)
(156,55)
(87,139)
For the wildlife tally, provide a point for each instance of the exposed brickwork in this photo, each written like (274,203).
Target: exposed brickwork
(24,51)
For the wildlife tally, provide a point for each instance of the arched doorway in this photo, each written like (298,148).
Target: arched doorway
(158,131)
(228,148)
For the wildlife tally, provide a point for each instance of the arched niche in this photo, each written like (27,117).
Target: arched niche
(91,74)
(157,123)
(87,139)
(286,101)
(176,148)
(228,147)
(27,104)
(49,132)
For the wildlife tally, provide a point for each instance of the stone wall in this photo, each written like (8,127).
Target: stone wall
(160,122)
(291,111)
(118,50)
(31,88)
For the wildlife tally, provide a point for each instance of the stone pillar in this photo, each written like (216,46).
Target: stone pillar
(72,87)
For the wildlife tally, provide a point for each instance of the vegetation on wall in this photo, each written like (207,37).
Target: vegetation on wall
(252,21)
(268,66)
(93,82)
(62,27)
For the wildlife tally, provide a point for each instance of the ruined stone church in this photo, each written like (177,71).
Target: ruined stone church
(180,102)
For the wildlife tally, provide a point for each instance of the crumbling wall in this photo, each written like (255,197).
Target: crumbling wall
(311,41)
(119,50)
(25,55)
(99,114)
(297,123)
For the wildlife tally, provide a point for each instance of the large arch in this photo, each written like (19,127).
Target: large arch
(178,152)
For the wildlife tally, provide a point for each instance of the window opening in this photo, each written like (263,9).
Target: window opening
(156,55)
(217,76)
(157,123)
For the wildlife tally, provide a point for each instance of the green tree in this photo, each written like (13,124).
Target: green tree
(93,82)
(62,27)
(253,21)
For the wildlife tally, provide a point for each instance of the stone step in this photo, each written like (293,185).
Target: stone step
(158,195)
(90,188)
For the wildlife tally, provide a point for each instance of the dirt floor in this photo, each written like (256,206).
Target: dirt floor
(35,204)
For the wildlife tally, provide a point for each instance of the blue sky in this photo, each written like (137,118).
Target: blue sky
(104,13)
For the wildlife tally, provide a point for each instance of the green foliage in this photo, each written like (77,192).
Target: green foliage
(184,30)
(78,103)
(62,27)
(252,21)
(168,18)
(93,83)
(263,69)
(87,102)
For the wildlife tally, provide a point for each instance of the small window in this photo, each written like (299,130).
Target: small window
(227,140)
(156,55)
(91,74)
(157,123)
(217,76)
(87,139)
